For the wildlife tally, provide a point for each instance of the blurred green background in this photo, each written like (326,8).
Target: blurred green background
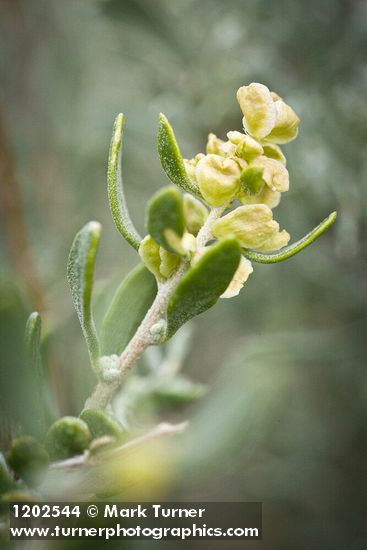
(284,420)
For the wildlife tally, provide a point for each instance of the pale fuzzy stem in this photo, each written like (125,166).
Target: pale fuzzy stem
(143,338)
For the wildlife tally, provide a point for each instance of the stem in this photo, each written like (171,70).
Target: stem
(143,338)
(86,459)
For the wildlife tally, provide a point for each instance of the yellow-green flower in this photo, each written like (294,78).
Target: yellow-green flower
(246,147)
(218,179)
(239,278)
(266,116)
(217,146)
(195,214)
(241,275)
(275,174)
(190,165)
(158,260)
(253,226)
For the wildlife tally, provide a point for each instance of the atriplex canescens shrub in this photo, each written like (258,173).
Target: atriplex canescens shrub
(204,233)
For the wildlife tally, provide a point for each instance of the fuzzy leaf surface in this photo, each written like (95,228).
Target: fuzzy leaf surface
(294,248)
(171,158)
(203,284)
(131,302)
(165,214)
(116,195)
(80,277)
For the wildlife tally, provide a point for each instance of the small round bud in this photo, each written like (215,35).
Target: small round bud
(110,367)
(195,214)
(28,459)
(67,437)
(247,147)
(217,146)
(149,253)
(190,165)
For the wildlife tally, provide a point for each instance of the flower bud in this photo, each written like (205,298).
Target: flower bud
(149,253)
(217,146)
(239,278)
(68,436)
(190,165)
(28,459)
(218,179)
(168,262)
(195,214)
(158,260)
(246,147)
(252,225)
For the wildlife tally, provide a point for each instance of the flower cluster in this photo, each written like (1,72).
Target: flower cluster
(251,168)
(246,175)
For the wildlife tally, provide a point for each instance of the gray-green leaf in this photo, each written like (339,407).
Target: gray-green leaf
(34,360)
(132,300)
(203,284)
(116,194)
(165,217)
(176,391)
(171,158)
(294,248)
(80,277)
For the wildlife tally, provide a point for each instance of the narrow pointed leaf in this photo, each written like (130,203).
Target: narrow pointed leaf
(294,248)
(171,158)
(128,308)
(203,284)
(34,360)
(116,194)
(165,217)
(80,277)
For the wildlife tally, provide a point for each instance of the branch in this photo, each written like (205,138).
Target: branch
(143,337)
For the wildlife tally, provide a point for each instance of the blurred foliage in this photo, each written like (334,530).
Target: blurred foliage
(285,420)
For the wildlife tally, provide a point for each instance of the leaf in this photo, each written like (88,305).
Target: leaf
(171,158)
(34,359)
(102,424)
(80,277)
(132,300)
(203,284)
(165,218)
(294,248)
(7,483)
(176,391)
(120,213)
